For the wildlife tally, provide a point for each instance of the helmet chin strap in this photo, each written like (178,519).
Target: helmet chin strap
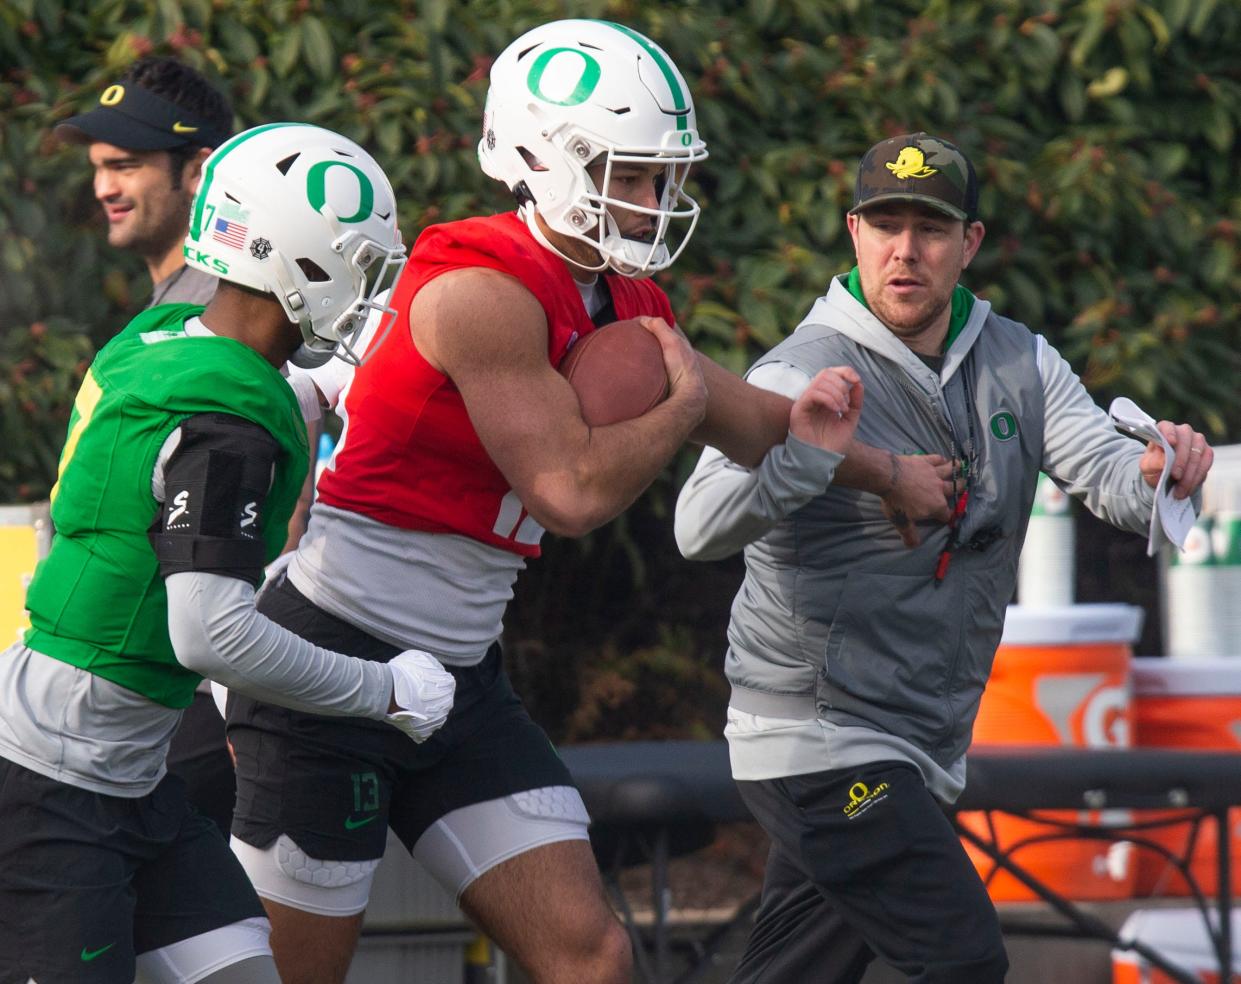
(313,351)
(530,216)
(618,260)
(609,261)
(305,357)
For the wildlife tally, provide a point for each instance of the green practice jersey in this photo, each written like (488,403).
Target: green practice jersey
(97,601)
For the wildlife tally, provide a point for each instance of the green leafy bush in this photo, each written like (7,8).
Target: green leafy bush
(1104,132)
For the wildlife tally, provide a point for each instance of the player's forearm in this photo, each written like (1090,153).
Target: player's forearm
(216,632)
(868,469)
(301,511)
(616,465)
(742,421)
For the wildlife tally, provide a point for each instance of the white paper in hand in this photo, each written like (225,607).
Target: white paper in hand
(1171,519)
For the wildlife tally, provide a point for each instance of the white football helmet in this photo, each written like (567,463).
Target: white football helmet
(306,215)
(565,93)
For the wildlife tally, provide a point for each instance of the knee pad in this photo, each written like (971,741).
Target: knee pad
(284,873)
(300,866)
(550,803)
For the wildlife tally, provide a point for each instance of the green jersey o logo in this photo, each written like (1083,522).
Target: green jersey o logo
(316,189)
(1003,425)
(585,84)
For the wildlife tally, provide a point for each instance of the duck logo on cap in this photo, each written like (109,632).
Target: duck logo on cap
(112,95)
(910,163)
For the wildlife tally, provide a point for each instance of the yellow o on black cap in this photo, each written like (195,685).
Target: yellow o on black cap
(112,95)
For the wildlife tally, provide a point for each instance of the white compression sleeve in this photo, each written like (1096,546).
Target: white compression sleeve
(217,632)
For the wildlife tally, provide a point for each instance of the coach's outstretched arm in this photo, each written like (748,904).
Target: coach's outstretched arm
(724,506)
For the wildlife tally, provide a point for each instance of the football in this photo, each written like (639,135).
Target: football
(617,372)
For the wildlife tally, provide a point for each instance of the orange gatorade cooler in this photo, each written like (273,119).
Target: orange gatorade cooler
(1179,935)
(1187,704)
(1061,677)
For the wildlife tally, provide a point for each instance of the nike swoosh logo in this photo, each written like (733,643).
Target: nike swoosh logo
(89,955)
(352,824)
(179,127)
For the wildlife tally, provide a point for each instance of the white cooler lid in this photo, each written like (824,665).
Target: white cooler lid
(1060,625)
(1179,934)
(1159,676)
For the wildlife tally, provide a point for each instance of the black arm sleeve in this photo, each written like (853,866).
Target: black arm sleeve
(216,483)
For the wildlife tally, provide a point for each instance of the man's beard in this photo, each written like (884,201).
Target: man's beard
(906,322)
(157,240)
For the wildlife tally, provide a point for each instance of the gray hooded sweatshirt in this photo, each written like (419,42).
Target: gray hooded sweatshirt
(844,648)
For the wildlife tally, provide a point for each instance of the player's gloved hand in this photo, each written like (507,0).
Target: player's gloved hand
(423,691)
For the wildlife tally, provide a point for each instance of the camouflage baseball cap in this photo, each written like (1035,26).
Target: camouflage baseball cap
(918,167)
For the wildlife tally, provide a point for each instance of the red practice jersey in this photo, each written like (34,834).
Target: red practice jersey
(409,456)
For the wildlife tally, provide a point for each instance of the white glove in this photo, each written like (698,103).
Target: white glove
(423,690)
(219,693)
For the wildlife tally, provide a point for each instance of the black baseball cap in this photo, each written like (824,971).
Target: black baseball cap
(918,167)
(134,118)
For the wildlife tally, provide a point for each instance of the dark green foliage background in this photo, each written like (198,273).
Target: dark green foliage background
(1104,132)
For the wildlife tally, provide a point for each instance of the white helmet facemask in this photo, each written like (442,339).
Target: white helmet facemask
(573,94)
(309,217)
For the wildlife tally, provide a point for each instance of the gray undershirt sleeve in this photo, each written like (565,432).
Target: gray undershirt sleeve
(217,632)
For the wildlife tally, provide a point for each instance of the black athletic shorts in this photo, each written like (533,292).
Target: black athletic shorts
(88,881)
(199,755)
(334,784)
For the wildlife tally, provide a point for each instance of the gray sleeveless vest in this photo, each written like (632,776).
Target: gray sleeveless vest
(833,606)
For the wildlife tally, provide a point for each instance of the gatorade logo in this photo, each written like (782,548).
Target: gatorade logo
(1085,709)
(1198,548)
(862,798)
(1226,539)
(1051,498)
(1105,719)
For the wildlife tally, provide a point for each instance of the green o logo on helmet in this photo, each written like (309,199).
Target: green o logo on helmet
(1003,425)
(316,189)
(586,82)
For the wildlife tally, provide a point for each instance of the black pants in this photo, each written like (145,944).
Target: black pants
(864,862)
